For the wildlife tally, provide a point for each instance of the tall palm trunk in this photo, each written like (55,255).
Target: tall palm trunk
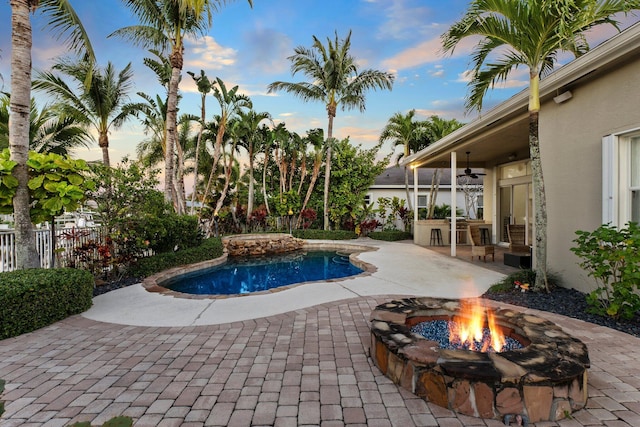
(180,190)
(312,184)
(198,141)
(172,123)
(103,142)
(217,153)
(433,193)
(264,180)
(331,109)
(20,104)
(540,205)
(406,187)
(251,185)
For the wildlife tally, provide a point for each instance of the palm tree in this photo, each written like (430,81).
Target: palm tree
(100,106)
(434,129)
(231,104)
(334,79)
(316,138)
(204,87)
(402,129)
(249,123)
(63,19)
(49,130)
(164,24)
(528,33)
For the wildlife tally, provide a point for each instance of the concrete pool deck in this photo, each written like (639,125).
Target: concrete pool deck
(306,366)
(400,269)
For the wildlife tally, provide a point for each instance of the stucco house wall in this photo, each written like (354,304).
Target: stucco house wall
(571,149)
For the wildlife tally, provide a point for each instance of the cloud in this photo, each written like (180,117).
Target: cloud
(205,53)
(426,52)
(404,20)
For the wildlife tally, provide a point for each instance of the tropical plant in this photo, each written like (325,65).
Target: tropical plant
(335,80)
(56,184)
(50,131)
(402,129)
(249,134)
(355,171)
(528,33)
(100,106)
(62,18)
(231,104)
(315,137)
(612,257)
(164,24)
(434,129)
(204,87)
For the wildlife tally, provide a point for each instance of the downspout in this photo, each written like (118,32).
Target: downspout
(454,207)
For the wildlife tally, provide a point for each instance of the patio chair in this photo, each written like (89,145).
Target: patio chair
(516,235)
(473,231)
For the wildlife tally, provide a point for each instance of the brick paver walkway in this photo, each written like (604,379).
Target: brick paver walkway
(308,367)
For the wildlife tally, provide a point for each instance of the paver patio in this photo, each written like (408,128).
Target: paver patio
(309,367)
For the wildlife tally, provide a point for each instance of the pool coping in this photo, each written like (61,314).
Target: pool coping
(154,282)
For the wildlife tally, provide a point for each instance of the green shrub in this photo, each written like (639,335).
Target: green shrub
(34,298)
(208,249)
(324,234)
(612,258)
(164,233)
(391,235)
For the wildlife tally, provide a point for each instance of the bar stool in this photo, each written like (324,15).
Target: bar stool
(485,237)
(436,237)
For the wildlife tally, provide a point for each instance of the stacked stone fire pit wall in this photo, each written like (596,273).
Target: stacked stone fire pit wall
(544,381)
(261,244)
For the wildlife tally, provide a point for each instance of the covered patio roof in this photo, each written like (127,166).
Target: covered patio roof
(501,134)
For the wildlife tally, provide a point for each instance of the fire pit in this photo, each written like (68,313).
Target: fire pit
(510,365)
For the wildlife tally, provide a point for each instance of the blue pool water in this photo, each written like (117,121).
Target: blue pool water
(246,275)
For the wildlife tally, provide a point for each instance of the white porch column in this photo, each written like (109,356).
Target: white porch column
(415,195)
(454,207)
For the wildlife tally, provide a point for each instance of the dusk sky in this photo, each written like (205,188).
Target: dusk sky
(249,47)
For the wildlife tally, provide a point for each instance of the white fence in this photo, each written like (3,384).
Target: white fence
(67,240)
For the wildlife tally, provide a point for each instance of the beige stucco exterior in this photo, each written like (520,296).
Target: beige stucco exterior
(571,148)
(604,86)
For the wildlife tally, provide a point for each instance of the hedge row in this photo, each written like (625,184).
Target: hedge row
(390,236)
(34,298)
(144,267)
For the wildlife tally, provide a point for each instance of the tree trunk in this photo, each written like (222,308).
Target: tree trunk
(251,186)
(103,142)
(180,190)
(327,168)
(406,187)
(195,169)
(20,104)
(433,194)
(217,152)
(314,178)
(264,180)
(172,123)
(540,206)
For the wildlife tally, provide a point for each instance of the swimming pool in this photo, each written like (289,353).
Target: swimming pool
(256,274)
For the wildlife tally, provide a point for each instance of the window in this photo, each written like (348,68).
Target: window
(367,199)
(634,185)
(621,179)
(422,201)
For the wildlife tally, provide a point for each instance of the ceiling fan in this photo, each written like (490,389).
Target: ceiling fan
(467,171)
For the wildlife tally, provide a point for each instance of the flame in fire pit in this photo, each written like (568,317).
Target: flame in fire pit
(469,328)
